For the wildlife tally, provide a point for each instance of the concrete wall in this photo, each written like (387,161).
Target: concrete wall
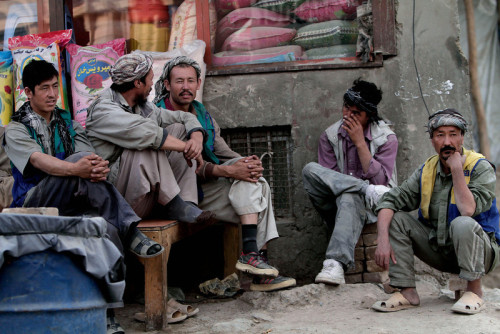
(311,100)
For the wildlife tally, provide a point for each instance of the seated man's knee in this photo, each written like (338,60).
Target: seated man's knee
(309,169)
(462,226)
(77,156)
(310,172)
(399,219)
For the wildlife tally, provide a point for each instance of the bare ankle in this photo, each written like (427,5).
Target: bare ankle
(411,295)
(475,286)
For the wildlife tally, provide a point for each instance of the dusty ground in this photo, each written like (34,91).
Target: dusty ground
(316,308)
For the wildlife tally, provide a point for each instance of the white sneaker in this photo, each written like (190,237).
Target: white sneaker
(374,193)
(332,273)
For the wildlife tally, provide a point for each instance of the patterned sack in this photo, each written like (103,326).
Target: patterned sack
(245,18)
(267,55)
(327,10)
(329,33)
(6,103)
(279,6)
(47,46)
(89,72)
(225,6)
(184,25)
(254,38)
(336,51)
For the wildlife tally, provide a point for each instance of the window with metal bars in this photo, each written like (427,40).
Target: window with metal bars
(274,147)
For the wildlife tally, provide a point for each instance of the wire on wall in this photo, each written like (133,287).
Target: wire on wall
(415,63)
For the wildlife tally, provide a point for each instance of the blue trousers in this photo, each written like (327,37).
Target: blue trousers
(75,196)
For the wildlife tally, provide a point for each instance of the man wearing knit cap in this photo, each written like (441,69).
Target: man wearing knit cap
(231,186)
(150,151)
(457,227)
(357,160)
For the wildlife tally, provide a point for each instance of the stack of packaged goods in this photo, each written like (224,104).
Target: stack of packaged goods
(149,25)
(264,31)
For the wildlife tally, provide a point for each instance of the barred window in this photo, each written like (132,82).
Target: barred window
(274,146)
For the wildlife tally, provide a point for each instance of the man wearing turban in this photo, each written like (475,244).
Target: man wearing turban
(457,228)
(231,186)
(150,151)
(357,160)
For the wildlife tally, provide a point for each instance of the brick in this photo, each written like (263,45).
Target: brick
(370,252)
(358,268)
(360,242)
(370,239)
(359,253)
(372,267)
(379,277)
(455,283)
(369,228)
(355,278)
(33,211)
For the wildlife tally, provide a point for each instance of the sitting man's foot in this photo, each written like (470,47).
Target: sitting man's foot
(186,212)
(271,283)
(332,273)
(113,327)
(374,193)
(142,246)
(255,264)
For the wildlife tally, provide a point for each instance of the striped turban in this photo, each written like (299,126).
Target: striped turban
(130,67)
(446,117)
(161,91)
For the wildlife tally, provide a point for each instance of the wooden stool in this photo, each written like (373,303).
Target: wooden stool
(166,233)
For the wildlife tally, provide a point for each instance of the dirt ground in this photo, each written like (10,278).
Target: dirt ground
(316,308)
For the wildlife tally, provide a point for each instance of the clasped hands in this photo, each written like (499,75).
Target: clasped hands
(247,169)
(193,149)
(92,167)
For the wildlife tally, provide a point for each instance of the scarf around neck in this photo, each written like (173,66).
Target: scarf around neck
(62,134)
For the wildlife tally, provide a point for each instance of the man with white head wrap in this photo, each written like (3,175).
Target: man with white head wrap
(150,151)
(231,186)
(457,228)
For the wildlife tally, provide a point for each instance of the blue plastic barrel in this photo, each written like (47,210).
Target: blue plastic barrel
(47,292)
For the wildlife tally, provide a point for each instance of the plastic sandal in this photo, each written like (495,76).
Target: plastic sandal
(188,310)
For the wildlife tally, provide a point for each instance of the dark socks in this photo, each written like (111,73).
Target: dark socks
(263,252)
(178,209)
(249,236)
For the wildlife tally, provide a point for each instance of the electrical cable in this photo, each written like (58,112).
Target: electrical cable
(415,63)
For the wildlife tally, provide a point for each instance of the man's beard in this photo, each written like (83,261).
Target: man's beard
(141,100)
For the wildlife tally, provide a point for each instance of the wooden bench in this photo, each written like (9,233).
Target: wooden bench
(166,233)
